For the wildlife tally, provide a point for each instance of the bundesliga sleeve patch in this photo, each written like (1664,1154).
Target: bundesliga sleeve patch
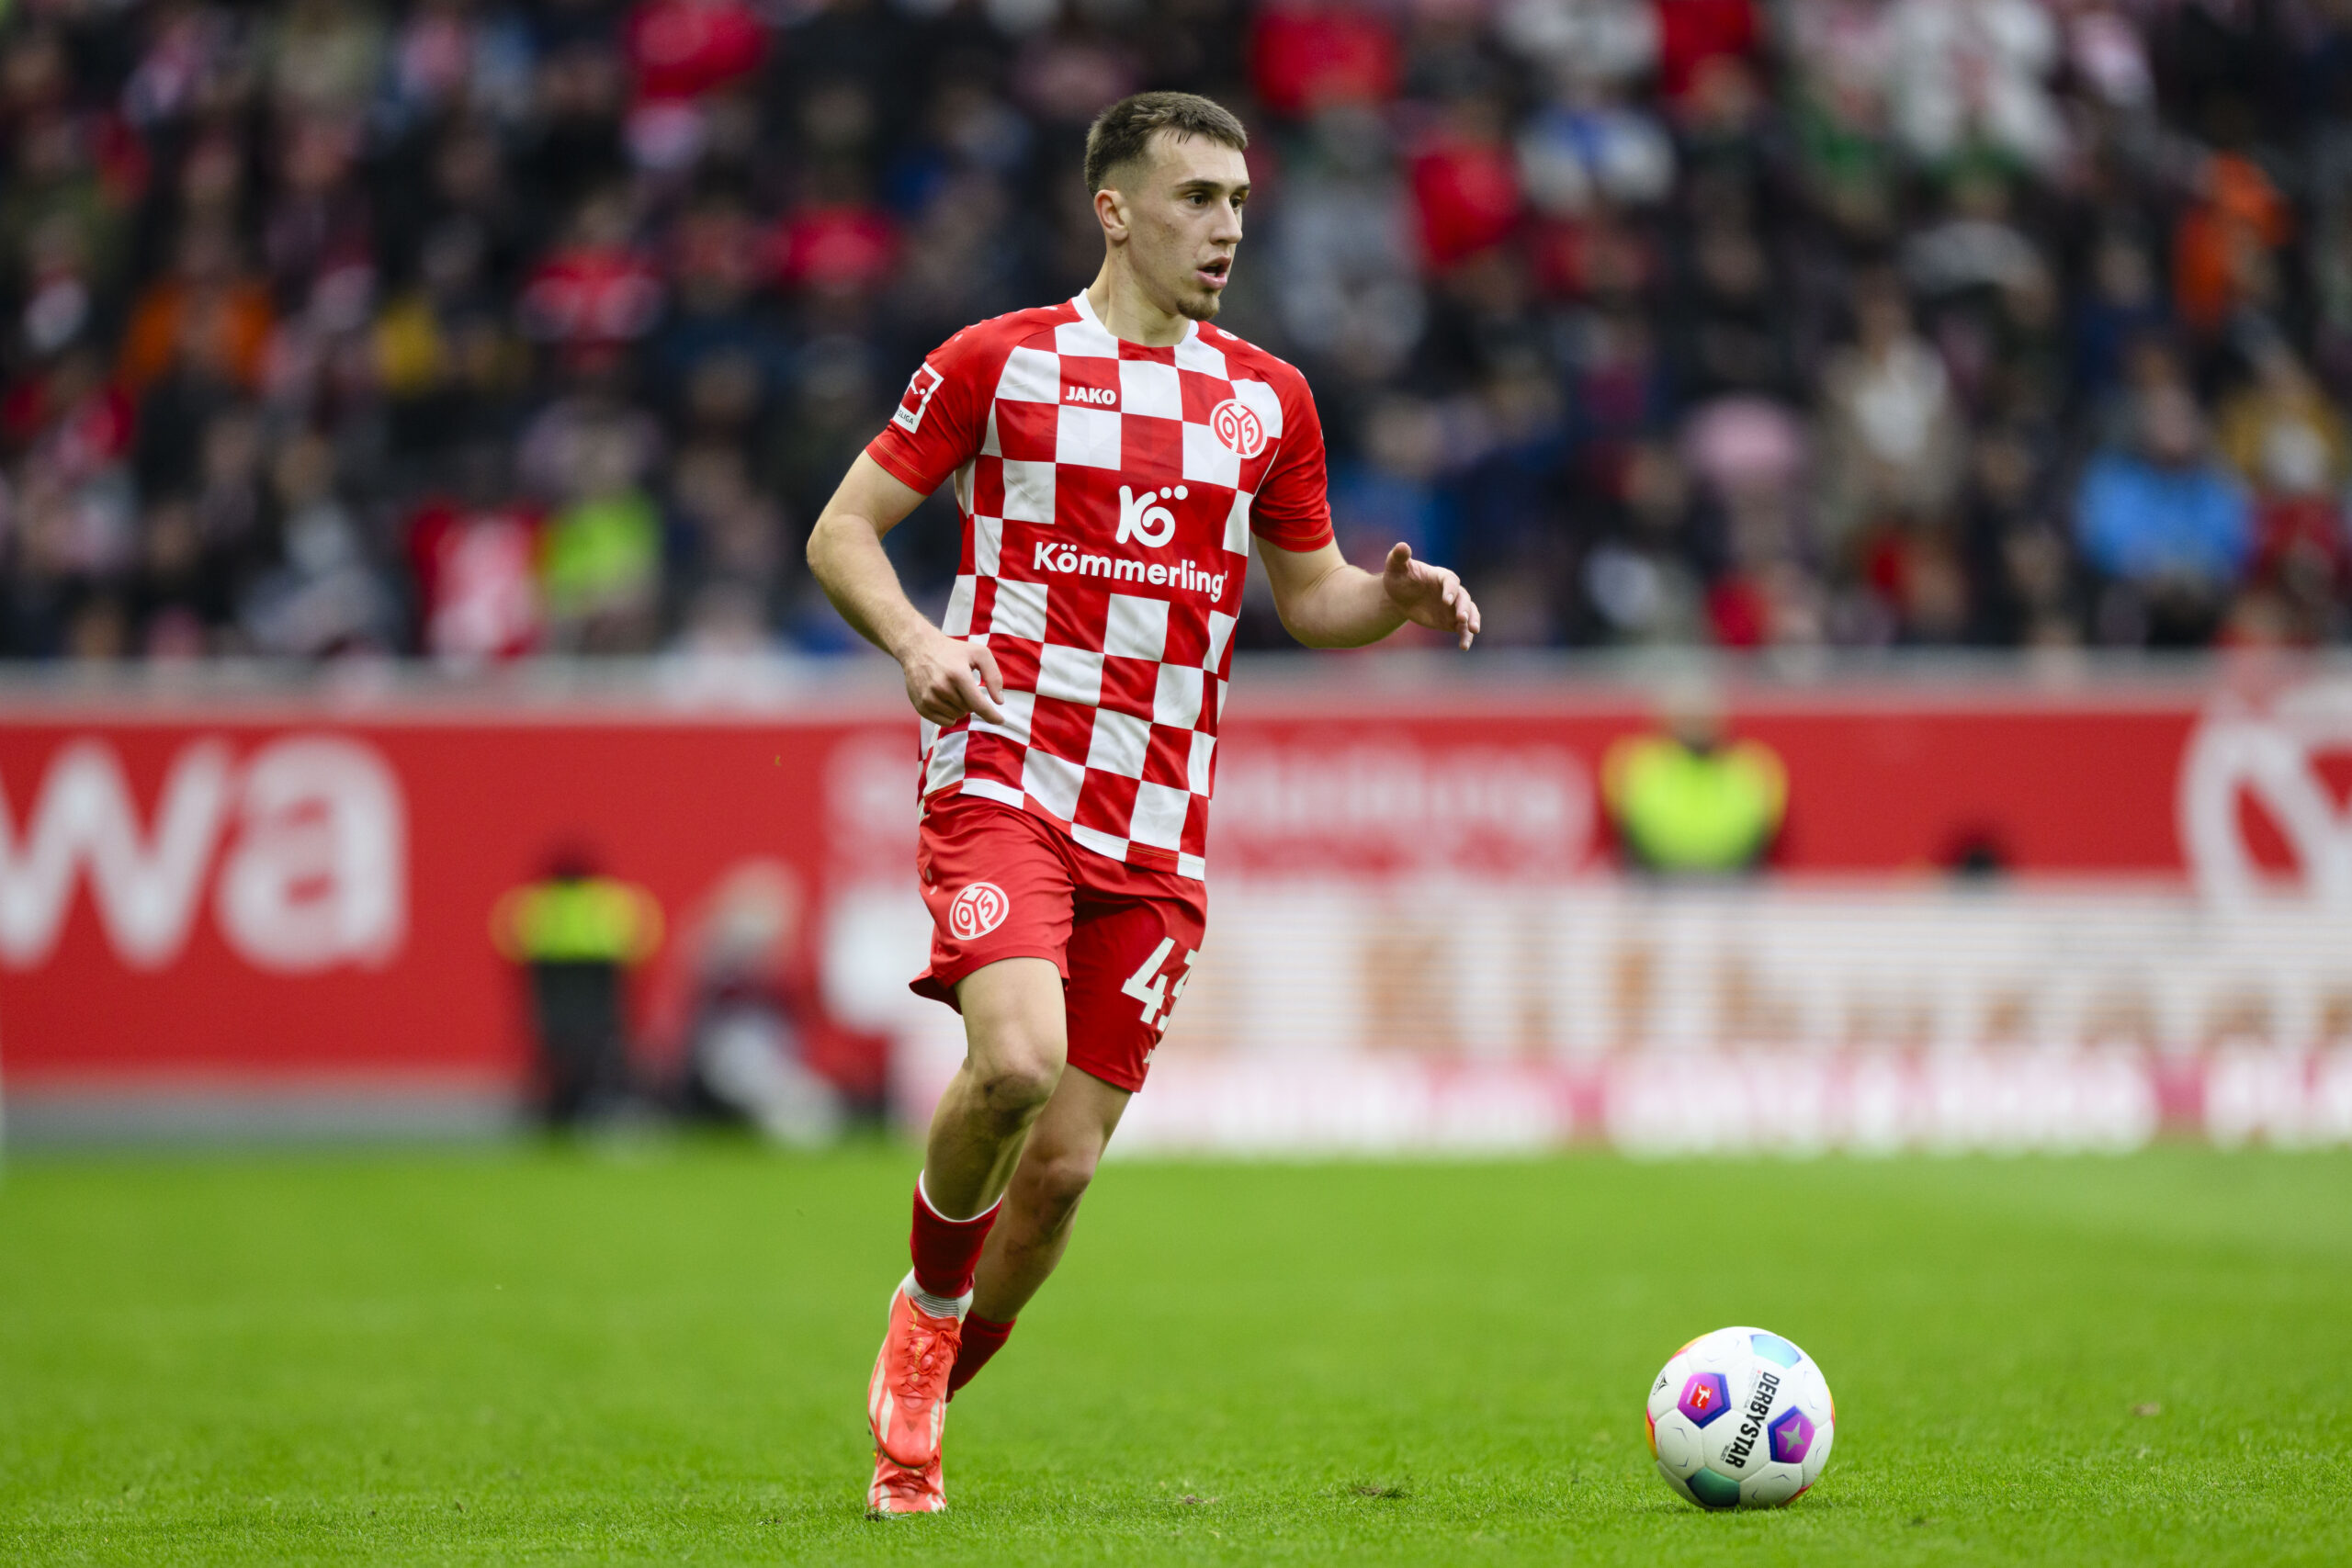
(917,397)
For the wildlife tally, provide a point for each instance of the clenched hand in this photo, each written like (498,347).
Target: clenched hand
(947,678)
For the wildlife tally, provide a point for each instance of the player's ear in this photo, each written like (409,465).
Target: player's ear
(1110,211)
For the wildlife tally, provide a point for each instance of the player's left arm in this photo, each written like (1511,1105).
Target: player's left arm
(1326,602)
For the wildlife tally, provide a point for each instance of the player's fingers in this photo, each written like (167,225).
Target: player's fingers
(976,700)
(985,662)
(1400,557)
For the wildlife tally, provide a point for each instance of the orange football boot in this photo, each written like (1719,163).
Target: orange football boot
(898,1489)
(906,1404)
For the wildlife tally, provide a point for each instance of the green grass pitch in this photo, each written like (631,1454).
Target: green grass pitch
(550,1356)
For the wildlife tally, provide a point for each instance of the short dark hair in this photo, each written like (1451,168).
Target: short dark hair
(1122,131)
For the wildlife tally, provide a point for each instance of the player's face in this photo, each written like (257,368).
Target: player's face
(1184,222)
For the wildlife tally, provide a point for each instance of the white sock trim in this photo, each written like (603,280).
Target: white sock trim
(925,1193)
(937,1306)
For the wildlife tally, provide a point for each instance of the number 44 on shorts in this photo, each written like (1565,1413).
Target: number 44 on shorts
(1152,988)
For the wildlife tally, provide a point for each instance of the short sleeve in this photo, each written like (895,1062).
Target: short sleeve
(941,416)
(1292,509)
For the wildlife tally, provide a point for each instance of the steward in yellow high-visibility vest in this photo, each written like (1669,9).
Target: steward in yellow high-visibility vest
(1682,804)
(577,919)
(577,934)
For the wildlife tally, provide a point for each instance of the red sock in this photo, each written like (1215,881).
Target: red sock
(983,1337)
(947,1251)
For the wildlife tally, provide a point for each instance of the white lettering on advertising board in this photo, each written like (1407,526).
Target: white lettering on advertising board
(309,835)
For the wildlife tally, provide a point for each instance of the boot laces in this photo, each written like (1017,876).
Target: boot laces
(928,1347)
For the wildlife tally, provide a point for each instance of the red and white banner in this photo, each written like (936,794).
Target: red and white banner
(1412,912)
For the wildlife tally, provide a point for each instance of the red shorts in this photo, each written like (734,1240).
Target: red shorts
(1003,883)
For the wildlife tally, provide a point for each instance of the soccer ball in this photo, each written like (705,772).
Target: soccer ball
(1740,1418)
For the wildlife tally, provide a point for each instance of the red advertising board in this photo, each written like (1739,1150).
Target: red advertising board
(291,893)
(300,889)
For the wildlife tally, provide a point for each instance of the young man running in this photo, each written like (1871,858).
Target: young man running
(1111,457)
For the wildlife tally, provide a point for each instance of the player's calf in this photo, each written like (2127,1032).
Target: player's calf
(1034,1227)
(1033,1224)
(1045,1191)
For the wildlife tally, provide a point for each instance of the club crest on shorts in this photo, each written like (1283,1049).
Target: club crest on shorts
(975,910)
(1238,427)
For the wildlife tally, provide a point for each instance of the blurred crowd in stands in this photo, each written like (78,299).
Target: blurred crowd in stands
(479,328)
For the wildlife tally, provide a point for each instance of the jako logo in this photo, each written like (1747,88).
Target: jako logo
(977,911)
(1238,427)
(1105,397)
(1139,519)
(316,876)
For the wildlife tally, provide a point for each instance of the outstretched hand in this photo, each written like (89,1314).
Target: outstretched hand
(1430,595)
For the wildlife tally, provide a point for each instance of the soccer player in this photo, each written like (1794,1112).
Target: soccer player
(1111,457)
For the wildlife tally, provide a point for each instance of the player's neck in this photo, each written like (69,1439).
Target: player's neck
(1127,313)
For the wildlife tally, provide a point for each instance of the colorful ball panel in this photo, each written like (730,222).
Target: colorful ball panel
(1792,1434)
(1705,1398)
(1710,1490)
(1816,1459)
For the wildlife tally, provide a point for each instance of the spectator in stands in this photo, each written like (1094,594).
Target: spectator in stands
(1749,458)
(1893,438)
(475,552)
(601,564)
(2015,547)
(2287,441)
(326,596)
(2167,526)
(1638,578)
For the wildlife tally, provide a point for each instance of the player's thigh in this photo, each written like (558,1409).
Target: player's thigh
(1014,1022)
(1000,893)
(1129,961)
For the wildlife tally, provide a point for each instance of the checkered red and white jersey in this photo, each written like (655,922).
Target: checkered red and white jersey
(1108,492)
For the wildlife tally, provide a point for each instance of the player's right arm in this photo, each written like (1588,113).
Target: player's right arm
(946,678)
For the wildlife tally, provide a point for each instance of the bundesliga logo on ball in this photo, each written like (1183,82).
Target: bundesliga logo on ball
(1740,1418)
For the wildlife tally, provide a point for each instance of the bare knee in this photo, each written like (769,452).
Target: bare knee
(1014,1079)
